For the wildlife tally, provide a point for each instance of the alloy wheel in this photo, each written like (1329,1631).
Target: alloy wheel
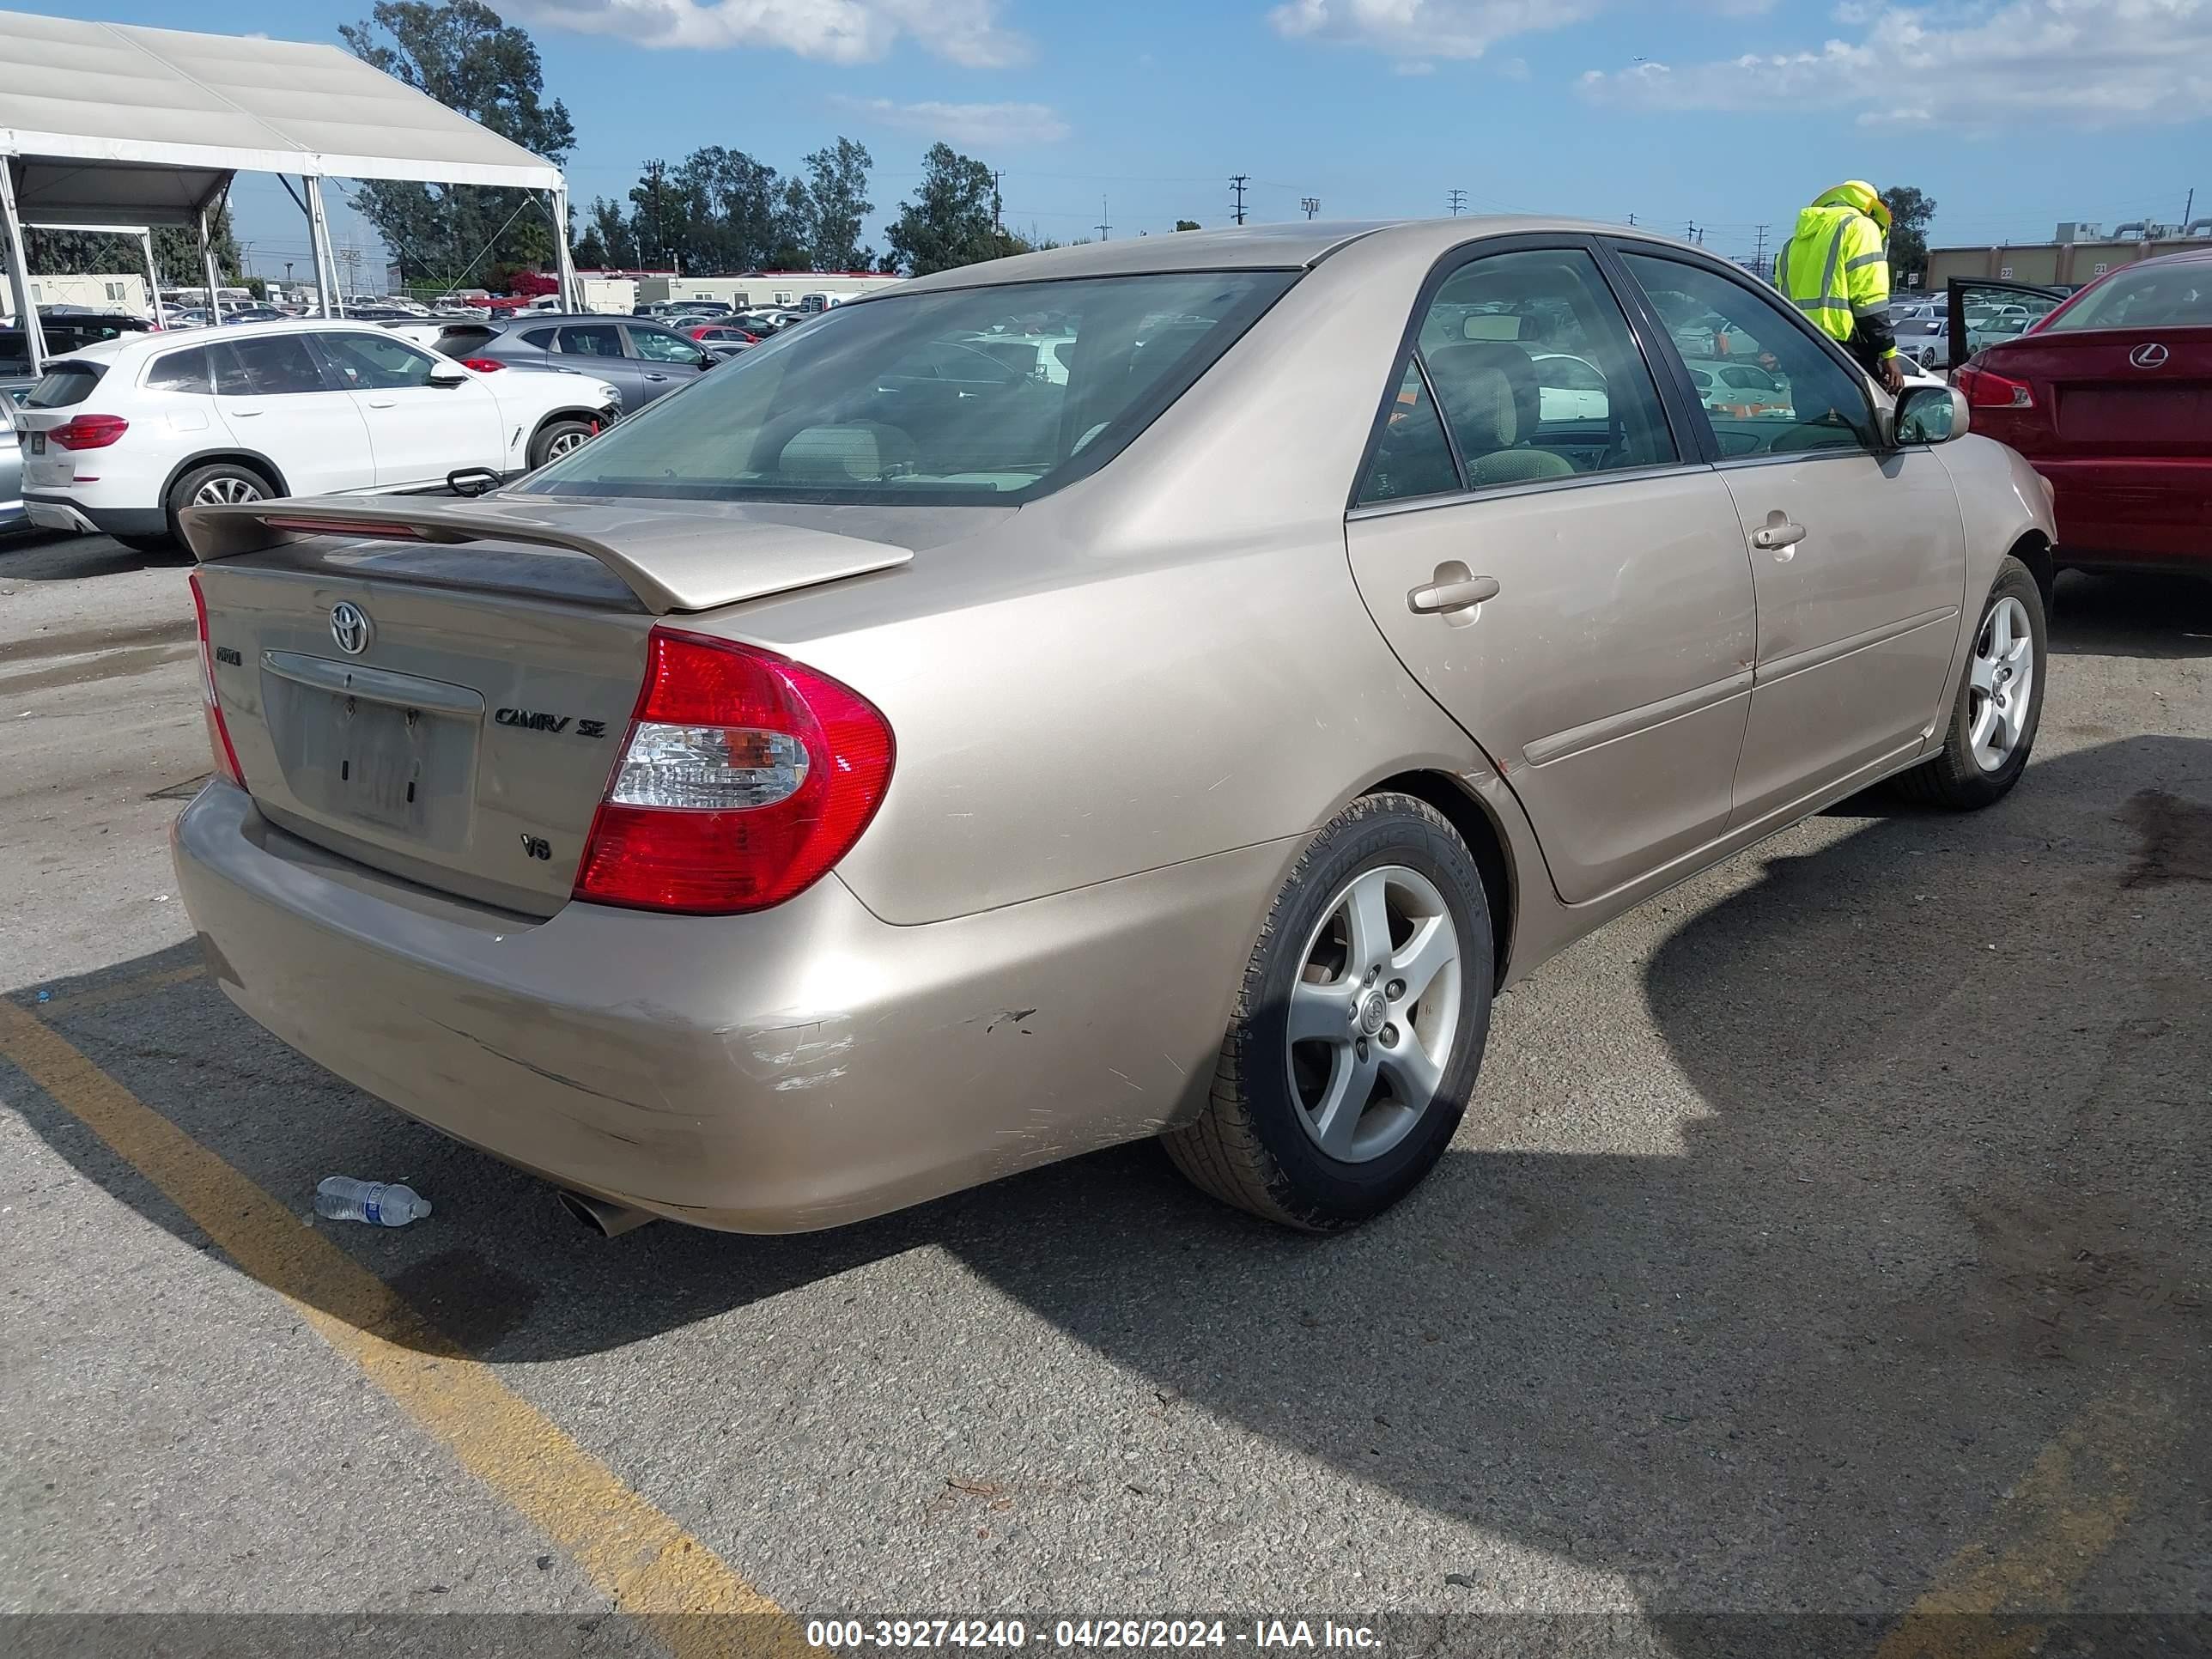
(565,442)
(2000,685)
(226,492)
(1374,1013)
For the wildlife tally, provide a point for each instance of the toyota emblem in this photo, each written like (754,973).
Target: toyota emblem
(350,627)
(2153,355)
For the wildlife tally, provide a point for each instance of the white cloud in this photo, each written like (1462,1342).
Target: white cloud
(2003,63)
(840,31)
(980,125)
(1417,30)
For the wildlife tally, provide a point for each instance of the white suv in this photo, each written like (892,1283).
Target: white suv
(120,436)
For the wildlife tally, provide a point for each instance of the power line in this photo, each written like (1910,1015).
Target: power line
(1237,182)
(1458,202)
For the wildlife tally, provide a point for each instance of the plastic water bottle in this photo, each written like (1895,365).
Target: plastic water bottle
(341,1198)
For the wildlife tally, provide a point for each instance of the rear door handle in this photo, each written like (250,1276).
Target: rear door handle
(1461,595)
(1778,532)
(383,402)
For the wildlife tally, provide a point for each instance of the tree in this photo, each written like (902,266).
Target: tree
(1911,213)
(837,202)
(461,53)
(1188,224)
(950,222)
(176,252)
(658,216)
(606,243)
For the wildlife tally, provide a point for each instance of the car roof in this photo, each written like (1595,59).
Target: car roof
(148,343)
(1293,246)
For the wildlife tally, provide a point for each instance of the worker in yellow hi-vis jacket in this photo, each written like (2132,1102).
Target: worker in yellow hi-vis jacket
(1836,269)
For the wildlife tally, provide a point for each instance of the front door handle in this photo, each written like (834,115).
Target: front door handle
(1777,532)
(656,377)
(383,402)
(1461,594)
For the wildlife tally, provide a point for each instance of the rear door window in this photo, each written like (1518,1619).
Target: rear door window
(590,340)
(1412,456)
(279,364)
(181,371)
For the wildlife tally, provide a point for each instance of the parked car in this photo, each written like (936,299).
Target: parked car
(64,333)
(12,514)
(2109,396)
(1569,389)
(255,314)
(644,359)
(123,435)
(853,837)
(714,334)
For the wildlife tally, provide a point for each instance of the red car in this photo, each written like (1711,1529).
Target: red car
(721,334)
(2110,397)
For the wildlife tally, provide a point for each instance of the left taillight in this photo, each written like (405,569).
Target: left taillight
(89,432)
(225,757)
(482,365)
(744,778)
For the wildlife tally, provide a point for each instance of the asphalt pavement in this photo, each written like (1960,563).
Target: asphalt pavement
(1827,1238)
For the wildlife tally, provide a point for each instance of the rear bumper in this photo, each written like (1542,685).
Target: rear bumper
(801,1069)
(58,512)
(2133,511)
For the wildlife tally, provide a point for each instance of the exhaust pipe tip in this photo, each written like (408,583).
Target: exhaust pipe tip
(608,1220)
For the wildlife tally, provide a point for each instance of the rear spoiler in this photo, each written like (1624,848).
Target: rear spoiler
(671,561)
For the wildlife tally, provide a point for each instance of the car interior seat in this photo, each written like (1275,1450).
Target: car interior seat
(1483,408)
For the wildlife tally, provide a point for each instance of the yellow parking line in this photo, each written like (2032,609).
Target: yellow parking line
(121,990)
(2044,1537)
(639,1558)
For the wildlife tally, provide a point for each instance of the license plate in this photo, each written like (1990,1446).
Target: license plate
(351,759)
(38,443)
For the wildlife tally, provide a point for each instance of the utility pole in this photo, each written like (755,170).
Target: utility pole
(1691,234)
(1102,227)
(1310,204)
(1631,219)
(2190,206)
(998,182)
(1759,254)
(1458,202)
(1237,184)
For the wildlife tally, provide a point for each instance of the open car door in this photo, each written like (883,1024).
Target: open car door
(1985,309)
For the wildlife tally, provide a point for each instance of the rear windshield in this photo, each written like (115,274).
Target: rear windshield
(65,384)
(2178,295)
(939,396)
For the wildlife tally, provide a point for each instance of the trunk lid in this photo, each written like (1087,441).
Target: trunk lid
(440,688)
(2094,399)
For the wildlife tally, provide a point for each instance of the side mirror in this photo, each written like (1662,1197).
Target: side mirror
(1930,415)
(448,377)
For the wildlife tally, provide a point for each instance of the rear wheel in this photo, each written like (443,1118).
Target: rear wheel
(1999,705)
(557,438)
(1359,1028)
(219,483)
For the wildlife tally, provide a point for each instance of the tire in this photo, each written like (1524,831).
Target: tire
(1267,1141)
(218,482)
(1965,775)
(557,438)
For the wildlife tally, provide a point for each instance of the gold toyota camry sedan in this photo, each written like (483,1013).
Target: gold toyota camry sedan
(1163,687)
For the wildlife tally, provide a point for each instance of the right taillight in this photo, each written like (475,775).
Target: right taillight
(226,757)
(744,778)
(1985,389)
(482,365)
(88,432)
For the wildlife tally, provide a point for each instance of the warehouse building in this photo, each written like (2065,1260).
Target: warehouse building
(757,289)
(2079,252)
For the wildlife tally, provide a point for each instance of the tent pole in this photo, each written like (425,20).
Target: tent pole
(153,277)
(319,239)
(207,263)
(572,292)
(19,269)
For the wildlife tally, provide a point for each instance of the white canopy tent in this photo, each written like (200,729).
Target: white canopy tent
(103,123)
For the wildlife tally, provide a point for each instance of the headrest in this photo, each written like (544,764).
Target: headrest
(1477,400)
(838,454)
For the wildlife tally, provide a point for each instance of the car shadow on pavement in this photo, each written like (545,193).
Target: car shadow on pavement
(1940,1185)
(2155,614)
(59,556)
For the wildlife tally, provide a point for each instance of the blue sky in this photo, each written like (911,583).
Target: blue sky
(2013,113)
